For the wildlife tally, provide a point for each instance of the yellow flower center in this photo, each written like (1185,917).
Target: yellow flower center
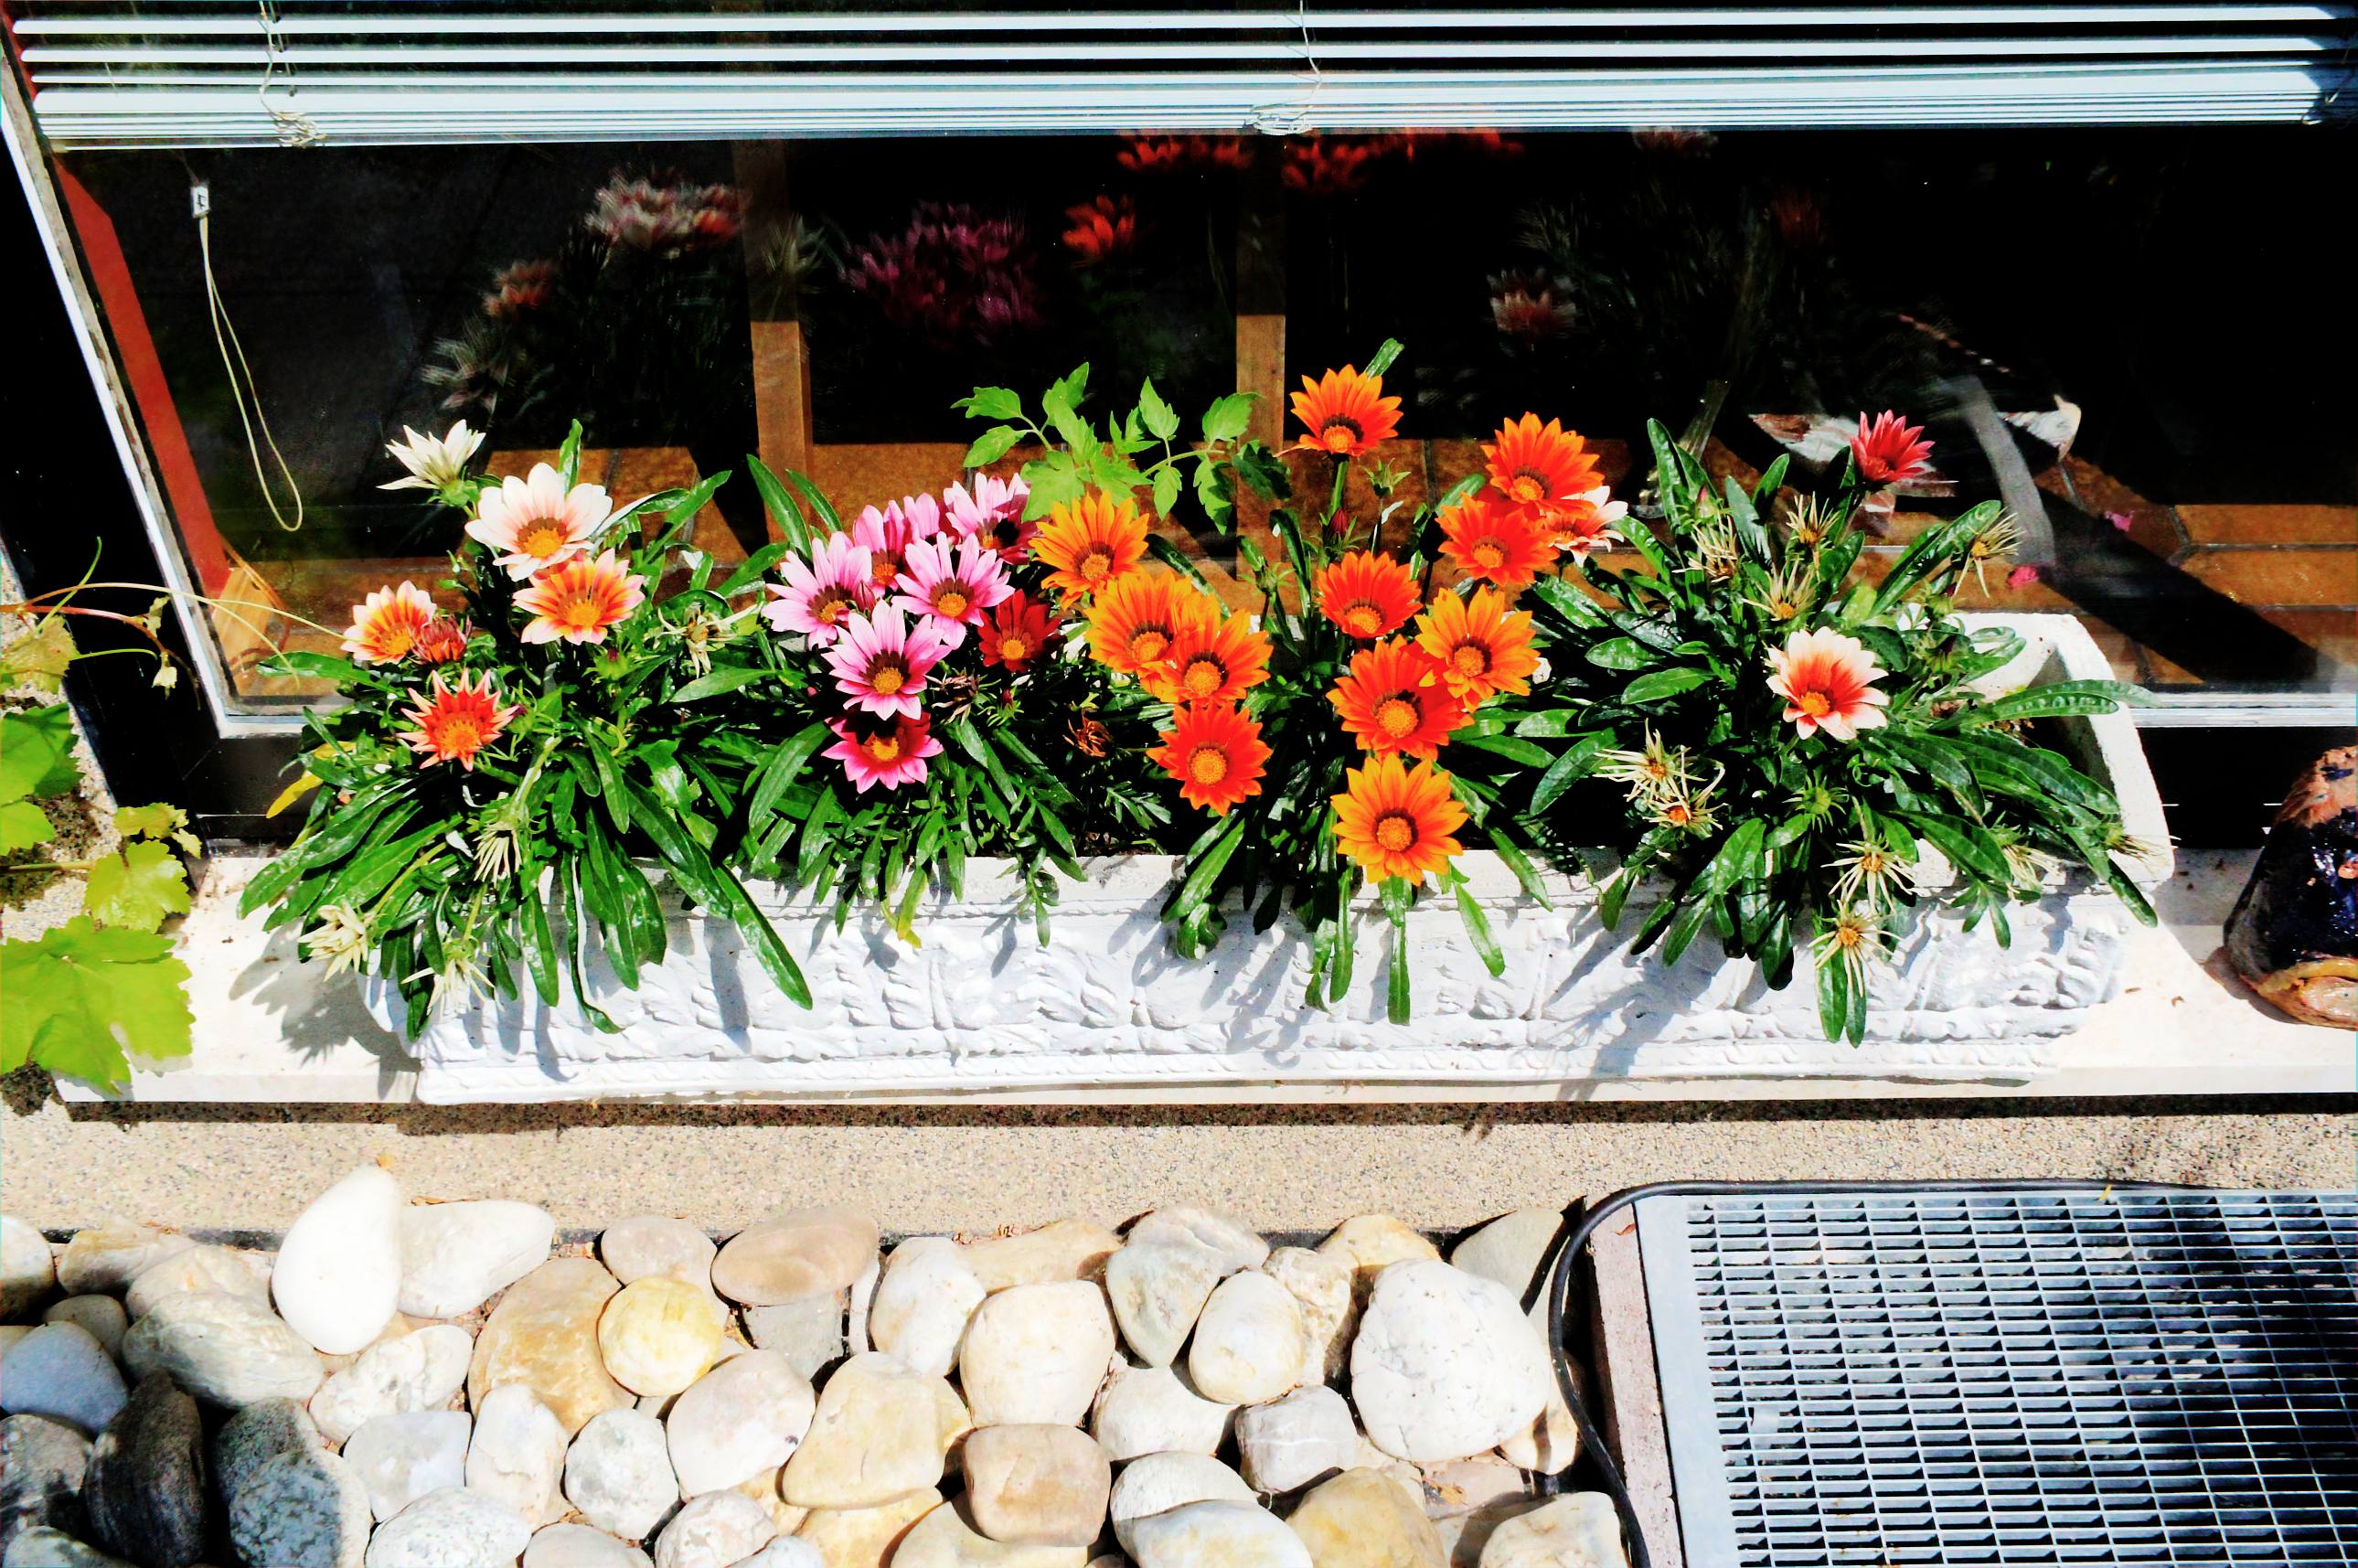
(1207,765)
(886,568)
(1013,650)
(951,602)
(1202,677)
(887,679)
(1524,487)
(832,606)
(1339,434)
(1847,935)
(1395,831)
(1814,704)
(1147,647)
(1396,716)
(885,747)
(1470,659)
(1490,554)
(1678,815)
(542,539)
(581,611)
(1096,565)
(1362,620)
(458,736)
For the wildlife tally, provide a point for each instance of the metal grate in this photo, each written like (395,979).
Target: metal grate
(2012,1377)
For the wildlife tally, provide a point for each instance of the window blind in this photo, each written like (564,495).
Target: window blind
(106,73)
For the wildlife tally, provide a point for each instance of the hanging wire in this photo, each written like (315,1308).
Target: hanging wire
(241,378)
(294,128)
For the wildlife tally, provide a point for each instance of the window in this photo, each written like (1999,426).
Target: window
(2078,240)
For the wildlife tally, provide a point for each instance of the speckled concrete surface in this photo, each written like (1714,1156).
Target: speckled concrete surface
(977,1169)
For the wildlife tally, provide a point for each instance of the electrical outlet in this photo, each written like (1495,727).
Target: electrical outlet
(200,199)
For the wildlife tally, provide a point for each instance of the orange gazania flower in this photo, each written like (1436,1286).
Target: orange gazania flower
(1345,413)
(1089,542)
(1017,633)
(455,722)
(578,601)
(1134,621)
(1367,595)
(1486,539)
(1535,464)
(1393,700)
(1396,821)
(386,623)
(1216,753)
(441,640)
(1482,647)
(1210,660)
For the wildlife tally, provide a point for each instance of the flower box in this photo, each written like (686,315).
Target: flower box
(981,1004)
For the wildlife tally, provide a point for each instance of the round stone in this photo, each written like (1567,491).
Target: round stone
(102,1260)
(1368,1244)
(800,1253)
(144,1492)
(1036,1486)
(42,1462)
(1288,1444)
(618,1474)
(101,1316)
(400,1458)
(1248,1345)
(262,1430)
(946,1539)
(1320,1287)
(1151,1410)
(416,1371)
(27,1273)
(1445,1365)
(865,1538)
(1035,1355)
(786,1551)
(61,1371)
(745,1416)
(200,1267)
(876,1436)
(649,1245)
(452,1528)
(1057,1253)
(808,1333)
(517,1454)
(45,1547)
(339,1268)
(1216,1535)
(456,1256)
(1230,1241)
(1548,1444)
(1161,1482)
(1157,1290)
(1579,1529)
(658,1335)
(923,1303)
(302,1506)
(544,1335)
(1364,1519)
(222,1349)
(1513,1249)
(713,1532)
(579,1546)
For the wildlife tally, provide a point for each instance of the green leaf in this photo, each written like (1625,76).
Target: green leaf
(1738,857)
(1070,427)
(540,939)
(785,514)
(1968,848)
(37,753)
(990,403)
(1162,419)
(1622,654)
(1386,352)
(1520,863)
(692,501)
(1167,481)
(40,658)
(1395,896)
(1053,482)
(1071,387)
(1205,871)
(1577,763)
(1508,746)
(779,771)
(24,824)
(1834,994)
(569,456)
(749,570)
(137,888)
(715,886)
(1228,417)
(1568,601)
(84,999)
(161,820)
(2059,700)
(1171,555)
(714,683)
(1216,493)
(1664,683)
(991,445)
(1264,471)
(321,666)
(1478,931)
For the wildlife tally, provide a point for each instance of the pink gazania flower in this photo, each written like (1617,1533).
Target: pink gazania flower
(455,722)
(954,584)
(578,601)
(2020,577)
(386,624)
(886,536)
(1828,683)
(819,594)
(1889,451)
(994,513)
(880,662)
(533,523)
(1587,522)
(889,752)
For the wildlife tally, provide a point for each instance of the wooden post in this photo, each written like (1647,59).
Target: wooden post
(782,393)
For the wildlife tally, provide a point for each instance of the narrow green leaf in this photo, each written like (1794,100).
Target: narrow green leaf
(1478,931)
(715,683)
(780,769)
(785,514)
(1172,556)
(1506,746)
(1664,683)
(1621,653)
(1381,360)
(1574,765)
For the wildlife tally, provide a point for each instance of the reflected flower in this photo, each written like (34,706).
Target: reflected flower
(1531,307)
(520,288)
(1102,230)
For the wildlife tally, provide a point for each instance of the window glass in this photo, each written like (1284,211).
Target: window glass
(2131,336)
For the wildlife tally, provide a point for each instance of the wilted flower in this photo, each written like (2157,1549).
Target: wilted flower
(1871,872)
(1993,541)
(1849,939)
(341,939)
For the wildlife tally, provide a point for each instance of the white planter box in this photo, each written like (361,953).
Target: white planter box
(982,1005)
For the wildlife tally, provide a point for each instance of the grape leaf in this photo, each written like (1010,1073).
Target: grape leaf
(37,753)
(23,825)
(161,820)
(82,999)
(41,657)
(136,889)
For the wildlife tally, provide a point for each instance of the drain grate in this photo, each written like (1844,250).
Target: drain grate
(2008,1377)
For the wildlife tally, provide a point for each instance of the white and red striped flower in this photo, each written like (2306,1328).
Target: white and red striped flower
(533,523)
(1827,680)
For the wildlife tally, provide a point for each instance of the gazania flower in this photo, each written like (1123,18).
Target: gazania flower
(1345,413)
(1134,621)
(890,750)
(1090,542)
(954,584)
(1828,683)
(1849,939)
(386,623)
(434,463)
(1210,660)
(1535,464)
(1486,539)
(1393,700)
(455,722)
(1481,647)
(1584,525)
(1017,634)
(886,536)
(1216,753)
(1889,452)
(821,593)
(1871,872)
(533,523)
(880,662)
(994,513)
(1368,596)
(1102,229)
(578,601)
(1396,821)
(441,640)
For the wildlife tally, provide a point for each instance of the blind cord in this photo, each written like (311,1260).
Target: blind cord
(241,377)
